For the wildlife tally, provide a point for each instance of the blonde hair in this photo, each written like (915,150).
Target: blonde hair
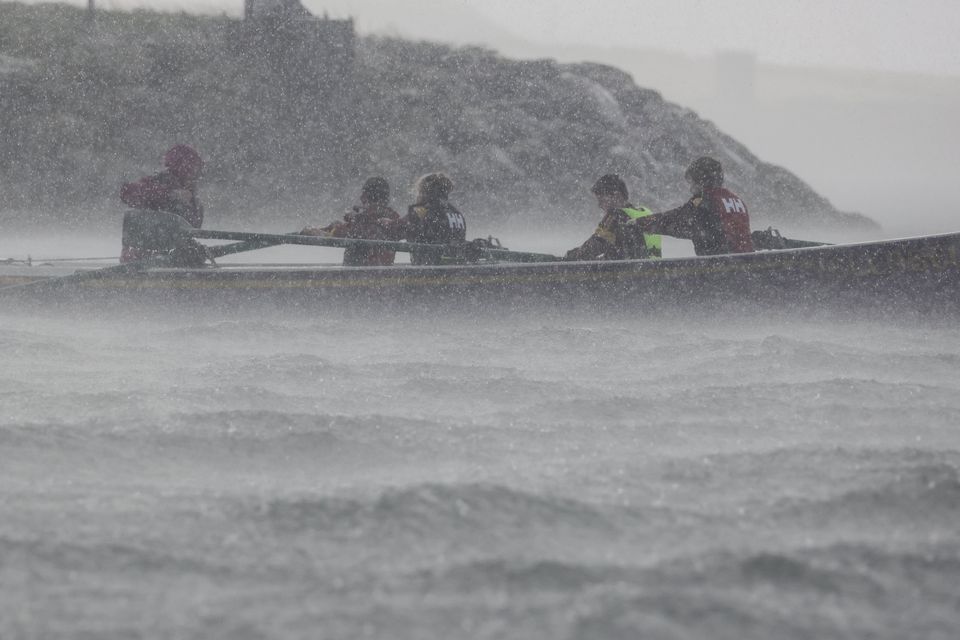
(433,186)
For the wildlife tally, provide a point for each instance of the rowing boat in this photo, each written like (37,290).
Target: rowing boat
(921,273)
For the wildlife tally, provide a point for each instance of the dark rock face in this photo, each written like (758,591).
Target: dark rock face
(89,107)
(532,136)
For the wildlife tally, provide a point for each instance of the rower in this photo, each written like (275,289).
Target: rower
(172,191)
(715,218)
(611,240)
(372,220)
(432,219)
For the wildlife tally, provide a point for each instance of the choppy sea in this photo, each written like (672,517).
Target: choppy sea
(276,473)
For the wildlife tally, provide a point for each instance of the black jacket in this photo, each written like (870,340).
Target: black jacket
(436,222)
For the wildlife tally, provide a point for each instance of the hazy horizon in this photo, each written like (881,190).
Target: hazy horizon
(895,36)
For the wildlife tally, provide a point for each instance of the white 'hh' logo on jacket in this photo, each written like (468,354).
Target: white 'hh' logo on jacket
(734,205)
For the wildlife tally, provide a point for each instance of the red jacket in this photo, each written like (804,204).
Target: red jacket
(164,192)
(372,222)
(717,221)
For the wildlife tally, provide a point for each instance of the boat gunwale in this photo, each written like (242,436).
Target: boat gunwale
(910,260)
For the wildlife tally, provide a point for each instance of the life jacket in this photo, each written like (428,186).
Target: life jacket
(653,243)
(734,219)
(437,222)
(615,239)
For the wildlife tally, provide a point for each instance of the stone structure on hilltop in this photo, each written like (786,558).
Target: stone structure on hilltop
(310,54)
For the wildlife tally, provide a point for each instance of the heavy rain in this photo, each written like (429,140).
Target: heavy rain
(462,319)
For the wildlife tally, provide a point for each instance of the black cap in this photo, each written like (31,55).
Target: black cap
(705,172)
(376,190)
(610,183)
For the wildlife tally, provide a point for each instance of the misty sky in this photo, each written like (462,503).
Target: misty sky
(893,35)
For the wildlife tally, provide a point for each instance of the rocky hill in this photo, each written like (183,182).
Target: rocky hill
(290,130)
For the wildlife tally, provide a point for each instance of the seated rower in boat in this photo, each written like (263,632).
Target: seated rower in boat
(715,218)
(432,219)
(172,191)
(613,240)
(372,220)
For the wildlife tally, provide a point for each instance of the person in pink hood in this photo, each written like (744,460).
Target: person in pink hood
(173,191)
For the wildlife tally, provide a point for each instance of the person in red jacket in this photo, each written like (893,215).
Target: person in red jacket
(715,218)
(372,220)
(173,190)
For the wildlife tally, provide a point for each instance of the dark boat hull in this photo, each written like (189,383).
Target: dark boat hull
(917,273)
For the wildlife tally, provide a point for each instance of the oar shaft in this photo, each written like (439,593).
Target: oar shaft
(799,244)
(269,239)
(770,239)
(237,247)
(520,256)
(93,274)
(316,241)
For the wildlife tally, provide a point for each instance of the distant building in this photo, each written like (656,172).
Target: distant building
(258,8)
(310,54)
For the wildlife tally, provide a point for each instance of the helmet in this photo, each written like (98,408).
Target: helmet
(705,172)
(183,162)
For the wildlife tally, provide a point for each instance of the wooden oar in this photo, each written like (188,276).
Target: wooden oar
(254,241)
(237,247)
(166,260)
(519,256)
(51,284)
(326,241)
(162,230)
(770,239)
